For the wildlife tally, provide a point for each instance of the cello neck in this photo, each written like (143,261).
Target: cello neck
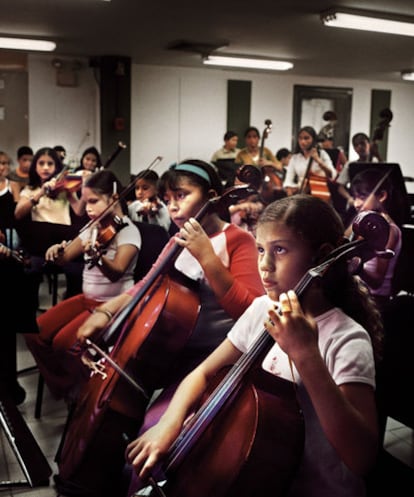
(228,388)
(265,134)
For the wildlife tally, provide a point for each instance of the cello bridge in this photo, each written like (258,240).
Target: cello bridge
(96,367)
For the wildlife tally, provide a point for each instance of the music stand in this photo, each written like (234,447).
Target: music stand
(399,208)
(29,455)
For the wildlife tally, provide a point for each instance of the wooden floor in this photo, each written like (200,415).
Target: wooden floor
(47,431)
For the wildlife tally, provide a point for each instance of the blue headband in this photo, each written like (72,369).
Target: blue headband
(191,168)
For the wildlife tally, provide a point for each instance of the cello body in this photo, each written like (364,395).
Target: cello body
(319,187)
(108,409)
(147,336)
(253,445)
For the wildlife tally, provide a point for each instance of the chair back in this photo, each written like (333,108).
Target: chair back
(396,372)
(403,280)
(154,238)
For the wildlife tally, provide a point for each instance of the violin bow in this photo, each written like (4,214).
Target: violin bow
(122,195)
(376,188)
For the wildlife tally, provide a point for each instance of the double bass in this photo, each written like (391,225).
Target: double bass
(248,434)
(272,178)
(146,337)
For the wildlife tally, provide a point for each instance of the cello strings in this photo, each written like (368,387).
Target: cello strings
(231,383)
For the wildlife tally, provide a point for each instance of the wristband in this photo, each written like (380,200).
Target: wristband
(107,313)
(33,201)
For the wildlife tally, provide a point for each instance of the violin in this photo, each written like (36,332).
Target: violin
(248,434)
(69,183)
(65,182)
(125,192)
(144,339)
(149,208)
(102,235)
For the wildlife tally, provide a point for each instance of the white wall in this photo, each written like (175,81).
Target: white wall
(60,115)
(179,113)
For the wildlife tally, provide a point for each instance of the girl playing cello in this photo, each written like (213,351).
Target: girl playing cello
(329,354)
(307,160)
(219,259)
(217,255)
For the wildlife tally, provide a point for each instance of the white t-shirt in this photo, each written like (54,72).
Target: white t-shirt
(298,165)
(96,285)
(346,349)
(49,210)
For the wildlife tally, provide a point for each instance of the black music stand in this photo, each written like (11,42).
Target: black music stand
(399,208)
(31,459)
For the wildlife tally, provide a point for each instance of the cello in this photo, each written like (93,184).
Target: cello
(148,334)
(241,441)
(314,184)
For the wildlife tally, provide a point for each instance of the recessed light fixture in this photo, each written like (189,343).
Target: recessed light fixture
(27,44)
(407,75)
(247,63)
(368,21)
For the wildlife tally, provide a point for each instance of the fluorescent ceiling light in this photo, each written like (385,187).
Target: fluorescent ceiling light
(407,75)
(26,44)
(267,64)
(367,22)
